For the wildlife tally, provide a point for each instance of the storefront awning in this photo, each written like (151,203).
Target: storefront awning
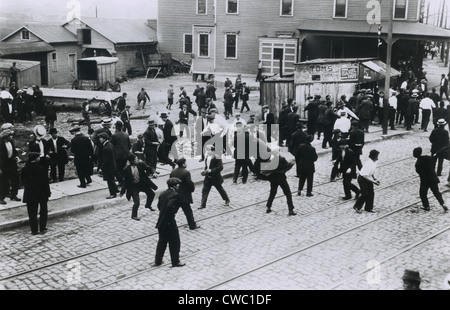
(360,28)
(380,67)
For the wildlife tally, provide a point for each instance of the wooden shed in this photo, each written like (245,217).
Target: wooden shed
(337,77)
(276,90)
(29,72)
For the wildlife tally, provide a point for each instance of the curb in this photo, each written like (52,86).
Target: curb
(93,206)
(228,168)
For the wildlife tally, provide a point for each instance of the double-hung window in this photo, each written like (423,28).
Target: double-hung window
(232,6)
(187,43)
(202,7)
(340,8)
(286,7)
(400,9)
(231,46)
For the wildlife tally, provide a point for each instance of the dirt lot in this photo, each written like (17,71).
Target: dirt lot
(157,90)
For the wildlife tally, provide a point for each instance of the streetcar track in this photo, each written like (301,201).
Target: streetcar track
(409,247)
(203,219)
(275,260)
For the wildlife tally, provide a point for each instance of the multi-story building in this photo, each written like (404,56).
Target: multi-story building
(230,36)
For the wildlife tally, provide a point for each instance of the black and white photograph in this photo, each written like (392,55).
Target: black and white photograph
(224,150)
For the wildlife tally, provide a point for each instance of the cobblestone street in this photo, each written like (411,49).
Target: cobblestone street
(326,246)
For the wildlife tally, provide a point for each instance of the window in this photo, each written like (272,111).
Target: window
(202,8)
(340,8)
(231,46)
(86,36)
(187,43)
(25,35)
(203,41)
(400,8)
(54,62)
(286,7)
(232,6)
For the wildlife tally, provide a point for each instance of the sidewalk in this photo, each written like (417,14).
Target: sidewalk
(67,199)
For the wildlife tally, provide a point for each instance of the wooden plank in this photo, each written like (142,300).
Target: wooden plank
(76,94)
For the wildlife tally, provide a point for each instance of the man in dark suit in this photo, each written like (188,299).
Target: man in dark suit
(83,152)
(185,191)
(292,118)
(356,142)
(9,175)
(213,177)
(151,144)
(268,119)
(282,122)
(168,205)
(50,114)
(201,98)
(440,113)
(169,139)
(245,92)
(122,146)
(58,155)
(277,177)
(125,118)
(346,163)
(136,180)
(439,139)
(305,158)
(122,102)
(428,179)
(241,152)
(444,87)
(297,138)
(36,192)
(108,165)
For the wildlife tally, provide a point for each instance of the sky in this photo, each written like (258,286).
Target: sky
(123,9)
(128,9)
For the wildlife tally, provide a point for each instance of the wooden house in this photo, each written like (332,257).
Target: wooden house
(230,36)
(129,40)
(50,44)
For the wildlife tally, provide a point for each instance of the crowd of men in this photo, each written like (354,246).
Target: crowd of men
(128,166)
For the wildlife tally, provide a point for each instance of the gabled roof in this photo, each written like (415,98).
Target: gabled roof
(120,31)
(401,29)
(49,33)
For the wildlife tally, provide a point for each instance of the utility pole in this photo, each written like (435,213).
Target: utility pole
(387,80)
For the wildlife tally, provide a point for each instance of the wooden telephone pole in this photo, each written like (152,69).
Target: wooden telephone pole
(387,80)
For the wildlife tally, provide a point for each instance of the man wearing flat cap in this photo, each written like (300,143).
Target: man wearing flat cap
(9,175)
(185,191)
(168,205)
(83,152)
(57,146)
